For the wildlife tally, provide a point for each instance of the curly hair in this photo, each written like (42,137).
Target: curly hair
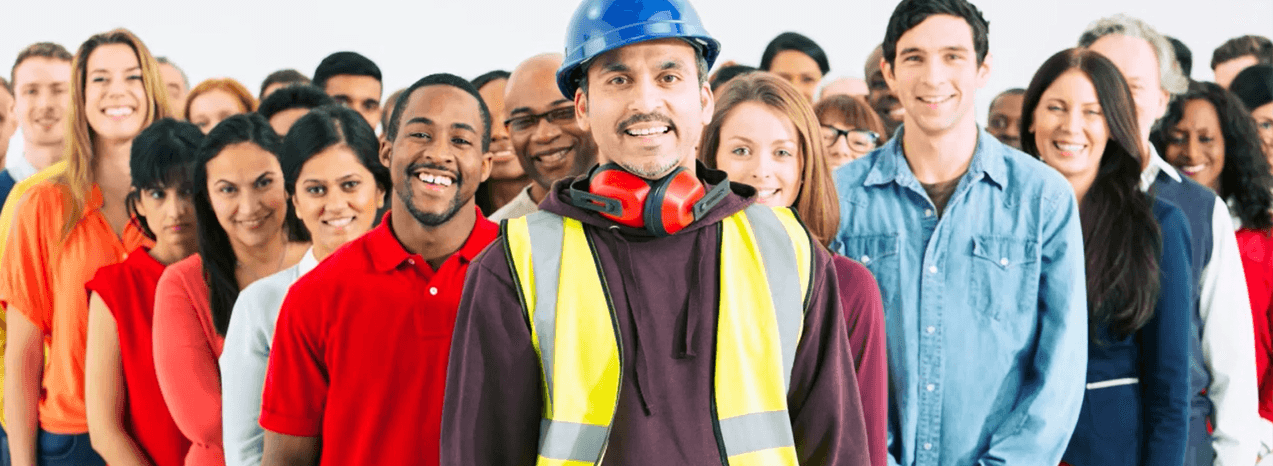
(1245,179)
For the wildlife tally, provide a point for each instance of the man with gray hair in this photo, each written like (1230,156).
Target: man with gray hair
(1223,354)
(176,82)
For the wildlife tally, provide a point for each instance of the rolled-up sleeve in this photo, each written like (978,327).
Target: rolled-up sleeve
(1225,309)
(1039,427)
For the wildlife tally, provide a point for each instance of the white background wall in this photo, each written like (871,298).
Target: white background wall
(247,39)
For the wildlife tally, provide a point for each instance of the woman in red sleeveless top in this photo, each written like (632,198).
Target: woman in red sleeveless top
(127,417)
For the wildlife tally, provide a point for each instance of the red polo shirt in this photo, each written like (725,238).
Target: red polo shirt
(360,351)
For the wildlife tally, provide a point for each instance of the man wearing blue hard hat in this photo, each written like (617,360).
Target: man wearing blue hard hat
(650,312)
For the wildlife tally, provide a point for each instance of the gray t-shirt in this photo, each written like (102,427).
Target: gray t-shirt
(520,206)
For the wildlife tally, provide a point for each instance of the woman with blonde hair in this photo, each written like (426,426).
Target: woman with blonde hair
(216,99)
(66,228)
(764,134)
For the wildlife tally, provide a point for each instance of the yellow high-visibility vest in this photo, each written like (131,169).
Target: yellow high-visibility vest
(765,270)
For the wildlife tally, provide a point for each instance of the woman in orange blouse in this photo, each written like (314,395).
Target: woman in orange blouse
(247,231)
(65,229)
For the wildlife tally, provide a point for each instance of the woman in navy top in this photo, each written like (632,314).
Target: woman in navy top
(1078,119)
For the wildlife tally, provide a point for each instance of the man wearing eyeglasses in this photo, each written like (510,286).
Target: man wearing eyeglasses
(541,123)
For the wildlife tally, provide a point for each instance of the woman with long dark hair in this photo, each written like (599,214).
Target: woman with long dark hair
(1209,135)
(247,231)
(1079,119)
(764,134)
(798,60)
(66,228)
(127,418)
(332,171)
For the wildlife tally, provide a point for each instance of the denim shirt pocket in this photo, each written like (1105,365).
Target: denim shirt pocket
(1005,277)
(879,253)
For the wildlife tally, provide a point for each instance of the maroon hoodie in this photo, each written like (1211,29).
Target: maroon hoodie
(665,293)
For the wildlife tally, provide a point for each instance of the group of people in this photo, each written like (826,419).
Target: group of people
(611,256)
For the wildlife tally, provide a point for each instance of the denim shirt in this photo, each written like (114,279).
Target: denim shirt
(985,307)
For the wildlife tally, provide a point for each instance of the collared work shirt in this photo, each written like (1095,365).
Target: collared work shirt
(360,350)
(985,307)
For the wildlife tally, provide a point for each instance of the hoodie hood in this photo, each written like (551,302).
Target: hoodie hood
(739,197)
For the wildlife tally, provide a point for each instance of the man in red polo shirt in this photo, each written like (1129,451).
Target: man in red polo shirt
(358,365)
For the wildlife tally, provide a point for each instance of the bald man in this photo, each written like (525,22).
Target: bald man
(541,123)
(853,87)
(880,96)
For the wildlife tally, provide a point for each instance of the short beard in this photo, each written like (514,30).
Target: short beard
(650,171)
(428,219)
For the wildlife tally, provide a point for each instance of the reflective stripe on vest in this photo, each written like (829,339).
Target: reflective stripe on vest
(765,274)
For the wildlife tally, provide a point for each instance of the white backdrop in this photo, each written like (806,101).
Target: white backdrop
(247,39)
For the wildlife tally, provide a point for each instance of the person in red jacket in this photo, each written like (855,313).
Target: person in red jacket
(127,418)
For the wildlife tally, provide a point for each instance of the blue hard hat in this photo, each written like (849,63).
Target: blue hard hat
(600,26)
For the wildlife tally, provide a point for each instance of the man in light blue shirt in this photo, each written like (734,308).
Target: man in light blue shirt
(978,252)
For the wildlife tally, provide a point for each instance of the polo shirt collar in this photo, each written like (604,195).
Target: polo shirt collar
(387,252)
(987,161)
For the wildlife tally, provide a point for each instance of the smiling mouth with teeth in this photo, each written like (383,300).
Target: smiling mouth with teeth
(118,111)
(646,131)
(436,180)
(339,222)
(1072,148)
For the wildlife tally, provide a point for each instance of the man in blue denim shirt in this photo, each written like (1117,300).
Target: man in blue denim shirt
(978,252)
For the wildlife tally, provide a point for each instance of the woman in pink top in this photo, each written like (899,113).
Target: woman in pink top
(242,210)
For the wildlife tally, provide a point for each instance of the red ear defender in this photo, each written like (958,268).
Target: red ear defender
(662,207)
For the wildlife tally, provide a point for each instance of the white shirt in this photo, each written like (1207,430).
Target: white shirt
(246,356)
(16,161)
(520,206)
(1228,347)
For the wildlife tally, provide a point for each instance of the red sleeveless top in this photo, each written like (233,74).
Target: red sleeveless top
(128,289)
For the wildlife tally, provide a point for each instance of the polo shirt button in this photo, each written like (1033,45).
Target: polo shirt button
(930,329)
(932,269)
(930,387)
(928,212)
(928,446)
(866,259)
(411,261)
(1003,262)
(433,290)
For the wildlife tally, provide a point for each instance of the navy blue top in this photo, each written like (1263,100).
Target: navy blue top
(1131,424)
(6,184)
(1198,204)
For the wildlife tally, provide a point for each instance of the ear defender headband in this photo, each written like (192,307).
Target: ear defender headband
(661,207)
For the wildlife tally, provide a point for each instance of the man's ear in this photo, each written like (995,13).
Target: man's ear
(886,69)
(708,100)
(983,71)
(581,111)
(386,152)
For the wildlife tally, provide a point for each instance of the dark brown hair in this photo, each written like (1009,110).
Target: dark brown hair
(1259,47)
(1121,239)
(817,202)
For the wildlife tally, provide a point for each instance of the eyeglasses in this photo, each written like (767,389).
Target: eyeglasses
(859,140)
(527,122)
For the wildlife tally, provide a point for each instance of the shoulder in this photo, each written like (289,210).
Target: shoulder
(269,291)
(1034,175)
(109,277)
(853,174)
(518,207)
(343,265)
(851,273)
(182,273)
(492,262)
